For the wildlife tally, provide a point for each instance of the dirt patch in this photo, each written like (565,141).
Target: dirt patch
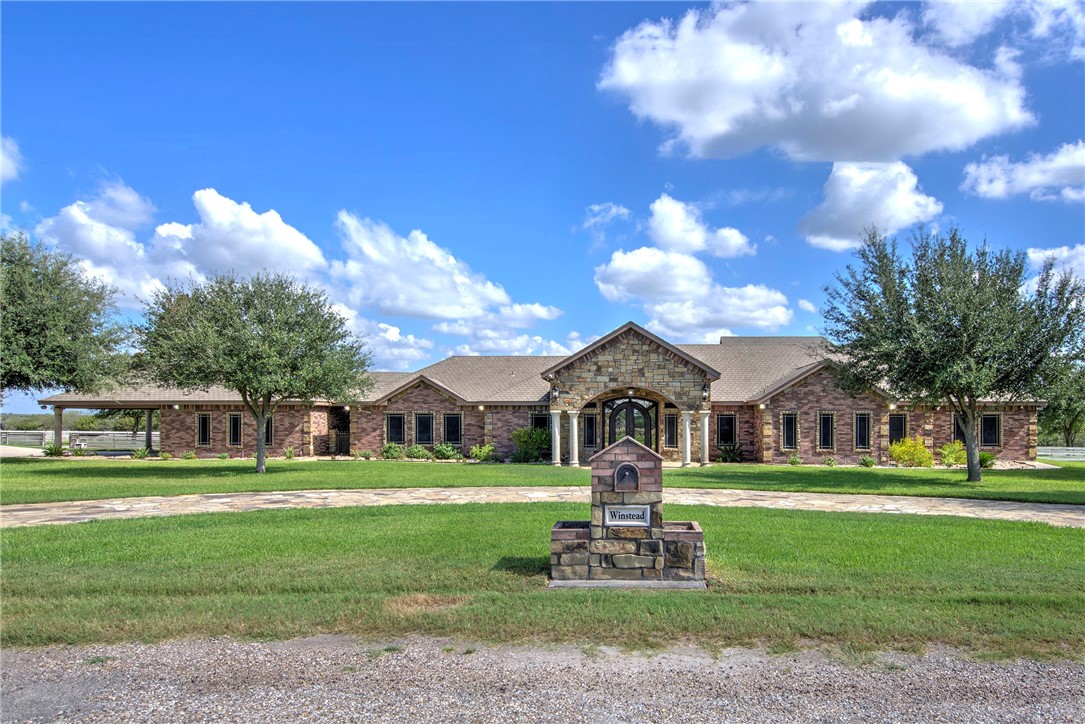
(416,603)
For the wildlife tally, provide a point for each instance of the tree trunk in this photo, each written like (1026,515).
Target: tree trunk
(261,443)
(971,445)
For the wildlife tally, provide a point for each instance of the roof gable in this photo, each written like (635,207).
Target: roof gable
(637,330)
(626,442)
(425,380)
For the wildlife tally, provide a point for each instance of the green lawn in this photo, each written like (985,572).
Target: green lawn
(38,480)
(777,578)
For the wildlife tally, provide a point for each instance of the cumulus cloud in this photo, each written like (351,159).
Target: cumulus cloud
(960,23)
(1071,259)
(859,195)
(817,81)
(391,349)
(11,160)
(677,226)
(1058,175)
(495,342)
(807,306)
(653,274)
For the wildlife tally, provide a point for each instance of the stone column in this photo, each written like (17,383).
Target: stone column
(147,433)
(704,438)
(58,425)
(555,437)
(574,442)
(685,438)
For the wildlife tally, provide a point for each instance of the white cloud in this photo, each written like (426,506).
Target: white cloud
(11,160)
(1058,175)
(807,306)
(652,274)
(599,215)
(814,80)
(391,349)
(677,226)
(860,195)
(960,23)
(1066,258)
(520,344)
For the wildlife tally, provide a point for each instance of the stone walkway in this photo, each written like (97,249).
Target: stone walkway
(80,511)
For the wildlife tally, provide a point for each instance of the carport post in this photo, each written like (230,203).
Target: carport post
(58,425)
(147,437)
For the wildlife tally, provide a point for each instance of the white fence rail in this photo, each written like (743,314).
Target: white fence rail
(86,440)
(1062,453)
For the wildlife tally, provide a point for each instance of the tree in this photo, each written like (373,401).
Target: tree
(57,328)
(951,326)
(269,338)
(125,419)
(1064,413)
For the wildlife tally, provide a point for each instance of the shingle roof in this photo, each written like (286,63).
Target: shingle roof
(751,366)
(512,378)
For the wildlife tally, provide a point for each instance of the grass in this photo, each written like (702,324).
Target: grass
(782,579)
(38,480)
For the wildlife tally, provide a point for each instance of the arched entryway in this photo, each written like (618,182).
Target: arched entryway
(635,417)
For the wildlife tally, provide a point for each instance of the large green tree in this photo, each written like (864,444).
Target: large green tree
(950,325)
(268,337)
(57,328)
(1064,413)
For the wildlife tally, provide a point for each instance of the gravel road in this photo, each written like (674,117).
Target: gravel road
(334,678)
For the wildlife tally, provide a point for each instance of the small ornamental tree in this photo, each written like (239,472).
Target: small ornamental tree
(951,326)
(269,338)
(56,322)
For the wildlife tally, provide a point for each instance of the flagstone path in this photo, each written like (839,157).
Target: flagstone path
(12,516)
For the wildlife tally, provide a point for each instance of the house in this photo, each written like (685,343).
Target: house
(772,397)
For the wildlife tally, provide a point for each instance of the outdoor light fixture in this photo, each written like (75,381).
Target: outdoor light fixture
(176,407)
(346,408)
(629,392)
(555,393)
(892,405)
(704,392)
(481,408)
(761,406)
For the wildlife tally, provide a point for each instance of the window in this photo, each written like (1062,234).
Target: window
(958,429)
(670,431)
(453,433)
(826,430)
(235,429)
(203,428)
(991,430)
(725,430)
(789,431)
(269,431)
(862,431)
(898,428)
(423,429)
(540,420)
(591,431)
(396,429)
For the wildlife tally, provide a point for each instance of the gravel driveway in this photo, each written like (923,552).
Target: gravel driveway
(333,678)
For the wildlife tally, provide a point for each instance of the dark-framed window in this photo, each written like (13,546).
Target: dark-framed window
(670,430)
(862,431)
(826,431)
(958,429)
(591,431)
(991,430)
(203,429)
(726,430)
(453,432)
(234,429)
(423,428)
(898,428)
(269,431)
(397,428)
(540,421)
(789,431)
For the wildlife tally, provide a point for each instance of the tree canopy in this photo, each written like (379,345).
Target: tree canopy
(57,329)
(951,325)
(270,338)
(1064,413)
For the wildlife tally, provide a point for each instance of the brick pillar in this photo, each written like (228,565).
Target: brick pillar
(766,436)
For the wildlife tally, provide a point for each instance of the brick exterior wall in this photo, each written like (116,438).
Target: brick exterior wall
(291,427)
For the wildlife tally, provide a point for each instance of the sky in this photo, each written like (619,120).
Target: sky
(522,178)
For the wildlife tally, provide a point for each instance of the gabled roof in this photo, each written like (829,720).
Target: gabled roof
(624,442)
(711,373)
(416,379)
(510,379)
(755,366)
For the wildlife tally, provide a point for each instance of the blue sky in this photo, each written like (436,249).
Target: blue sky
(488,178)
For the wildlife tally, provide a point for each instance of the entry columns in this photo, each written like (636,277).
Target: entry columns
(555,437)
(58,425)
(704,438)
(574,436)
(685,438)
(147,436)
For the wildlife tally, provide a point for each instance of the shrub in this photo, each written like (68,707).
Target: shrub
(483,453)
(54,450)
(867,462)
(393,451)
(987,460)
(188,455)
(794,459)
(729,454)
(223,456)
(532,445)
(829,462)
(444,451)
(367,454)
(417,452)
(139,453)
(953,454)
(288,452)
(911,453)
(79,451)
(165,456)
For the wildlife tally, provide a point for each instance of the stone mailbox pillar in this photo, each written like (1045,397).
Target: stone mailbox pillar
(626,543)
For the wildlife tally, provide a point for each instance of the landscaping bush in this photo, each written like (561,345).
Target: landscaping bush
(139,453)
(417,452)
(532,445)
(444,451)
(483,453)
(953,454)
(867,462)
(729,454)
(165,456)
(54,450)
(367,454)
(220,456)
(288,452)
(987,460)
(79,451)
(188,455)
(911,453)
(794,459)
(393,451)
(829,462)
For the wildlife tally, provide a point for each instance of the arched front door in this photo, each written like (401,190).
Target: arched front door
(634,417)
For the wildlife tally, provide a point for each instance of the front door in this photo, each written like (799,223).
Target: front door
(634,418)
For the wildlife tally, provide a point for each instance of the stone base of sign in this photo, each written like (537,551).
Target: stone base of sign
(627,544)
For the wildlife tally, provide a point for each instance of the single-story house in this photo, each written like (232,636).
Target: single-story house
(772,397)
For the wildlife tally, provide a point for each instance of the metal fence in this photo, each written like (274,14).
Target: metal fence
(1062,453)
(85,440)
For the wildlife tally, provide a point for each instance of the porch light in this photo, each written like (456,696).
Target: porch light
(892,405)
(555,393)
(176,407)
(346,408)
(481,408)
(704,392)
(761,406)
(629,392)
